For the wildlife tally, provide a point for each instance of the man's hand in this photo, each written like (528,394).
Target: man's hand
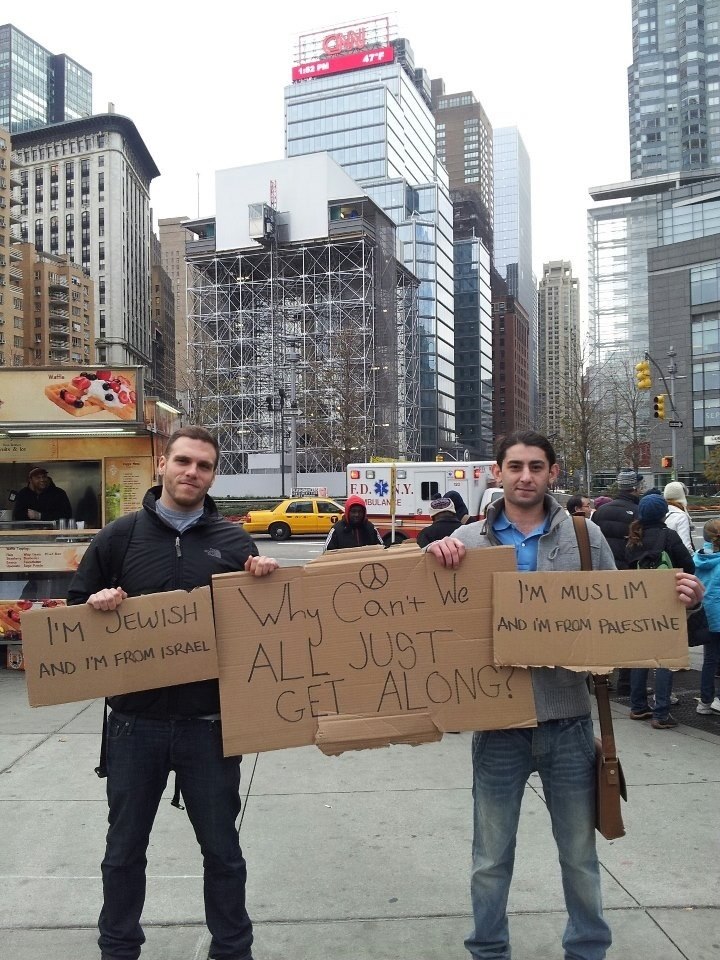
(34,514)
(261,566)
(107,599)
(689,589)
(448,551)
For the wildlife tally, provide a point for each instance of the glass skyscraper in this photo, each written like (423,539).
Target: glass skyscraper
(513,232)
(674,86)
(37,87)
(377,123)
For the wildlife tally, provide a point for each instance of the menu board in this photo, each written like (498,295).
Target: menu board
(126,481)
(70,395)
(42,557)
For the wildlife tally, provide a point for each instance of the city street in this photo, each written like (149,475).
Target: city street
(359,857)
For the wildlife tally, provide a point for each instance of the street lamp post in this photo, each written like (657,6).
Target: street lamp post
(293,358)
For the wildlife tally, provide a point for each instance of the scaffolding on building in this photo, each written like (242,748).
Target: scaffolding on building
(318,340)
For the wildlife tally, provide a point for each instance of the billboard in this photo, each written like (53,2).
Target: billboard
(351,61)
(347,47)
(70,396)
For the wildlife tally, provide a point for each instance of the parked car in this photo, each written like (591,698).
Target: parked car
(293,517)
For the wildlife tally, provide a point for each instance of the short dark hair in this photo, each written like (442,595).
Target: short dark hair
(528,438)
(194,433)
(574,503)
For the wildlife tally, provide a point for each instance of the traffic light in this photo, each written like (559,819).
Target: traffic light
(439,458)
(643,379)
(659,406)
(666,463)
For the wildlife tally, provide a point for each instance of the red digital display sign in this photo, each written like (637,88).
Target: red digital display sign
(341,64)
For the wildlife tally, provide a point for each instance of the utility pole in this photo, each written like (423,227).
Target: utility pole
(672,371)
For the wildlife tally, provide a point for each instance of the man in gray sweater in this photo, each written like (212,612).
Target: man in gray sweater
(561,748)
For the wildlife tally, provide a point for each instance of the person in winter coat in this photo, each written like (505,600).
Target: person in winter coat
(678,518)
(354,530)
(614,520)
(41,499)
(177,541)
(647,539)
(707,569)
(445,521)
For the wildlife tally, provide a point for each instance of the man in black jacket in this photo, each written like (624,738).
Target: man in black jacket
(41,499)
(354,530)
(177,541)
(444,523)
(614,520)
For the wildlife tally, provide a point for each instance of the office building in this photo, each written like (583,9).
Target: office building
(512,235)
(473,349)
(465,146)
(37,87)
(59,310)
(559,355)
(674,86)
(12,341)
(357,94)
(302,322)
(173,237)
(160,380)
(511,358)
(85,192)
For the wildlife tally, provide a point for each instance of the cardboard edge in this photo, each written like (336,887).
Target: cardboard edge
(336,734)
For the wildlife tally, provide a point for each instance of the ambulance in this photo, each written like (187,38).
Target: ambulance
(398,494)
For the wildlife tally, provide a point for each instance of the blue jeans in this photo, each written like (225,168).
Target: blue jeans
(140,755)
(711,655)
(563,753)
(663,689)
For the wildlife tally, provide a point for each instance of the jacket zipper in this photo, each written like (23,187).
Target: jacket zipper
(178,551)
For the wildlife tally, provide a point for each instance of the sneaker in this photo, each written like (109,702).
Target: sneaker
(715,705)
(643,714)
(666,724)
(704,708)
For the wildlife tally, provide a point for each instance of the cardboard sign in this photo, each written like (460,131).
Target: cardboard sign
(77,653)
(363,648)
(592,621)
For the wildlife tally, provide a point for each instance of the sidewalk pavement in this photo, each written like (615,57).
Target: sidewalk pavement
(360,857)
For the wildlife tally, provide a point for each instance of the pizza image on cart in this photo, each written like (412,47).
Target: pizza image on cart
(93,391)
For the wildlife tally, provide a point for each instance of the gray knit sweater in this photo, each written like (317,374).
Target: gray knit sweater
(558,692)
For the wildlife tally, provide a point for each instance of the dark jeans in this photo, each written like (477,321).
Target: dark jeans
(711,657)
(141,754)
(663,690)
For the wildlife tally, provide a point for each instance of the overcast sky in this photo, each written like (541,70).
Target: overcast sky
(204,85)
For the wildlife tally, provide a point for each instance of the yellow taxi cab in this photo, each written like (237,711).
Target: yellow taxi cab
(294,516)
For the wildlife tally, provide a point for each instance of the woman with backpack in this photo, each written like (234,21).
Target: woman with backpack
(651,545)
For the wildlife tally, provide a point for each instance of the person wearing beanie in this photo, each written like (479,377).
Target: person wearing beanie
(678,518)
(648,537)
(444,523)
(707,569)
(614,520)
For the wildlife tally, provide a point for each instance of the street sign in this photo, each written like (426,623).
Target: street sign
(675,424)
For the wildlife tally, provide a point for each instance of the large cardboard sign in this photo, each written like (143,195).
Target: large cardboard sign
(592,621)
(77,653)
(362,648)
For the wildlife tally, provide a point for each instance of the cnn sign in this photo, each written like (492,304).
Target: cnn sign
(335,43)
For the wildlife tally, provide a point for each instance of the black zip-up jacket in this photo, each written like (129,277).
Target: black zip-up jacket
(614,520)
(443,527)
(656,537)
(159,559)
(343,536)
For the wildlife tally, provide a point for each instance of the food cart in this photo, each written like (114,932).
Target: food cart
(98,439)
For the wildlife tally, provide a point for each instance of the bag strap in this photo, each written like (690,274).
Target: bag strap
(122,535)
(600,681)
